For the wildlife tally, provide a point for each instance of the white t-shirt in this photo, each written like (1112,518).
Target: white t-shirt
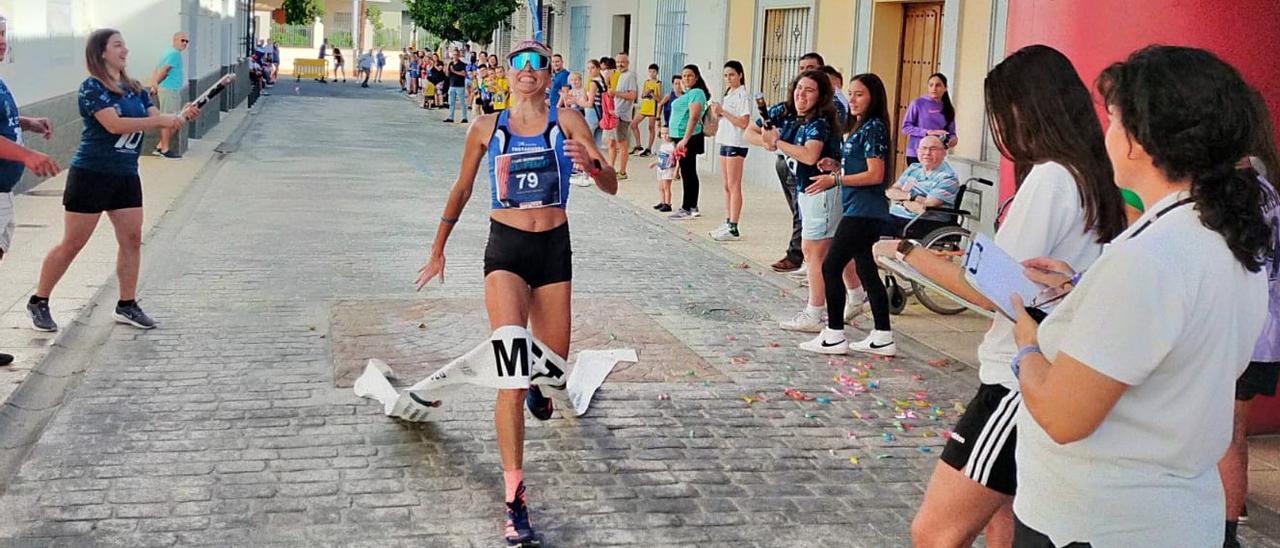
(1172,314)
(666,159)
(737,103)
(1044,220)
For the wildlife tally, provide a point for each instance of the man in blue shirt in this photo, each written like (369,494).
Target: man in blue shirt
(167,88)
(15,158)
(559,79)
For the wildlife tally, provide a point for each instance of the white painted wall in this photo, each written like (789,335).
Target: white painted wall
(47,39)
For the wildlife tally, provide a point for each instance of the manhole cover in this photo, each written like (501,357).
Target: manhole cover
(722,312)
(45,193)
(416,336)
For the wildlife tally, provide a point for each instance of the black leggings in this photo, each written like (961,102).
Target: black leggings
(854,238)
(689,172)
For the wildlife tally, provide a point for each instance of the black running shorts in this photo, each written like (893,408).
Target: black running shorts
(1259,379)
(539,258)
(981,445)
(94,192)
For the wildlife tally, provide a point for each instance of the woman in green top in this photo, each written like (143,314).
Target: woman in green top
(686,130)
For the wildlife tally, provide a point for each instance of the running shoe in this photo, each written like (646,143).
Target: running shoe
(6,359)
(827,342)
(133,315)
(803,322)
(172,154)
(666,208)
(658,206)
(447,120)
(681,214)
(694,213)
(519,532)
(622,175)
(647,153)
(539,405)
(464,120)
(877,342)
(635,151)
(41,318)
(724,234)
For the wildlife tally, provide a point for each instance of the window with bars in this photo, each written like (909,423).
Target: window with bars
(668,48)
(785,40)
(579,30)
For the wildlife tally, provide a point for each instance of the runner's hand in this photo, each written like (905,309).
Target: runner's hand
(40,164)
(433,268)
(577,152)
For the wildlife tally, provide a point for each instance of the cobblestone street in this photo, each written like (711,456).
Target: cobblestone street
(290,263)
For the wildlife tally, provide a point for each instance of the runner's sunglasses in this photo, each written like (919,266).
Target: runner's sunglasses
(531,59)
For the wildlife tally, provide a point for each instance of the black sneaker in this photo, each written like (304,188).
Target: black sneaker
(519,532)
(6,359)
(646,153)
(539,405)
(41,318)
(173,154)
(666,208)
(447,120)
(659,206)
(464,120)
(133,315)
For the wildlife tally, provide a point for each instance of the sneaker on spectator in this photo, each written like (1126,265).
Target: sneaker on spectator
(803,322)
(681,214)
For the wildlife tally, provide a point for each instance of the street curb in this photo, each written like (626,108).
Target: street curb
(35,402)
(912,345)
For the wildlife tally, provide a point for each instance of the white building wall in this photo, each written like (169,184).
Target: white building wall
(47,38)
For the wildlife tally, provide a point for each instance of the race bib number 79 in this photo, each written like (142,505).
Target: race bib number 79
(528,179)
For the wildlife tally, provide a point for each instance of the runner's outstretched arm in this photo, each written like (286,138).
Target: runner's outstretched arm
(580,147)
(459,195)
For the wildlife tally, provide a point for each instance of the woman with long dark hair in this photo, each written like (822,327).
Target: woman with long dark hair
(930,114)
(1125,384)
(806,131)
(735,116)
(862,177)
(590,101)
(1066,206)
(116,111)
(686,130)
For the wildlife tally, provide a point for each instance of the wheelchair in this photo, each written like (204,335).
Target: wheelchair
(946,238)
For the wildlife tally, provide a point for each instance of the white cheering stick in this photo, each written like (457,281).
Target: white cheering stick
(213,91)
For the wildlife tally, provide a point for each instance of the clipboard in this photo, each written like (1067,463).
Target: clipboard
(900,268)
(995,274)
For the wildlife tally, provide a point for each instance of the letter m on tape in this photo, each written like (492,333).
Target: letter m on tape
(507,359)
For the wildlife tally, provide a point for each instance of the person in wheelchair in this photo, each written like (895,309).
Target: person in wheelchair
(930,183)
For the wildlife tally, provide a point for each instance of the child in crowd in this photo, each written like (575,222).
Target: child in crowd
(650,92)
(665,164)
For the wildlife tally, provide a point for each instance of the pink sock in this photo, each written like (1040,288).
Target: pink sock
(512,479)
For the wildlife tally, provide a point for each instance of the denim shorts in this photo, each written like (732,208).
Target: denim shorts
(733,152)
(819,214)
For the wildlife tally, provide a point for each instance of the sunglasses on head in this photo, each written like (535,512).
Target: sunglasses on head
(531,59)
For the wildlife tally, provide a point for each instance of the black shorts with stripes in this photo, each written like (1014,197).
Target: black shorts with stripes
(981,445)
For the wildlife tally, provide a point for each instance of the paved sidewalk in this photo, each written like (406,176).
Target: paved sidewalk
(765,228)
(40,228)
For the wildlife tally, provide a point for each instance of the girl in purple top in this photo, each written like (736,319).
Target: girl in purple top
(930,114)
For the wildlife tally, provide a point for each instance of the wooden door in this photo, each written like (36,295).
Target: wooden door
(921,35)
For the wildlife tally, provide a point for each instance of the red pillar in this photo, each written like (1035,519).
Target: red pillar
(1096,33)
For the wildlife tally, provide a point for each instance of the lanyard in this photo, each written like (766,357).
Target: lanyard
(1157,216)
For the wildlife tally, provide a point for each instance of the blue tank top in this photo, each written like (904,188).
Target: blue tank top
(528,171)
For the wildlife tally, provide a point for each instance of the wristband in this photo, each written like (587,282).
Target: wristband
(1022,353)
(448,221)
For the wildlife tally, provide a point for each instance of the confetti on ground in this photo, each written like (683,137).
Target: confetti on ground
(810,416)
(730,338)
(917,378)
(690,373)
(823,400)
(883,456)
(874,385)
(852,436)
(881,403)
(663,397)
(797,395)
(856,414)
(925,450)
(754,399)
(853,460)
(887,437)
(742,265)
(738,360)
(773,344)
(940,362)
(959,408)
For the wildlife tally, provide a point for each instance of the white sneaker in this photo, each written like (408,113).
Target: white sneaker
(878,342)
(802,272)
(828,342)
(803,322)
(854,309)
(723,234)
(694,213)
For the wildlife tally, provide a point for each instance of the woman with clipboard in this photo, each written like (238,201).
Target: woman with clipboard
(1127,382)
(527,261)
(1066,206)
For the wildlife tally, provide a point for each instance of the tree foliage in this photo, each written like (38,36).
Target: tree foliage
(302,12)
(461,19)
(374,15)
